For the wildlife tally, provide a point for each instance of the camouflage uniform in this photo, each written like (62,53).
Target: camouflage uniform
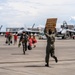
(24,39)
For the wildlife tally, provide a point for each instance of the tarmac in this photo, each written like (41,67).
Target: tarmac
(13,62)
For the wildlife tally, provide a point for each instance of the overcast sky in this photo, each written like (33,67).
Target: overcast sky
(17,13)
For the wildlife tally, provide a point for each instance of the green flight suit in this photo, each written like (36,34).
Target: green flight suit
(50,47)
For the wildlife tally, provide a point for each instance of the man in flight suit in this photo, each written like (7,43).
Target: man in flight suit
(24,39)
(50,47)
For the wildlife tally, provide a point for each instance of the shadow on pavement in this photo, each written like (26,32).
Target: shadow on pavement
(37,66)
(12,62)
(19,54)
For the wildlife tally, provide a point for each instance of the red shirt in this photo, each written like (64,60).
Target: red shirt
(30,41)
(7,33)
(15,37)
(34,40)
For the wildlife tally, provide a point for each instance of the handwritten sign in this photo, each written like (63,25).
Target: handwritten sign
(51,23)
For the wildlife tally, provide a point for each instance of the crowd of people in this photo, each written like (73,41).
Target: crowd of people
(9,38)
(29,42)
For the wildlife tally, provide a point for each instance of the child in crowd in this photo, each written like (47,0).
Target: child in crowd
(15,39)
(34,41)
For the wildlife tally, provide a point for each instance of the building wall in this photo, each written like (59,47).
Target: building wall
(12,29)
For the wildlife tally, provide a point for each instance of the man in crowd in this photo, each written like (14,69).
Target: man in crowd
(24,39)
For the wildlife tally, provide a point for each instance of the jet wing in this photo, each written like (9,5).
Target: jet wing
(73,31)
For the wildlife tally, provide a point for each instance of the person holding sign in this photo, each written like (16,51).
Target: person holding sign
(50,46)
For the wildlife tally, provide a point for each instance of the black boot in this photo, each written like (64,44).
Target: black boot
(56,60)
(23,52)
(47,65)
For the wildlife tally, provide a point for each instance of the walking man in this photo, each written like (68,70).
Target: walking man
(50,47)
(24,39)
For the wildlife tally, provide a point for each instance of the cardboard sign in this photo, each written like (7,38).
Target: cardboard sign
(51,23)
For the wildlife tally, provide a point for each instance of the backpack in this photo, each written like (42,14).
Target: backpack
(29,47)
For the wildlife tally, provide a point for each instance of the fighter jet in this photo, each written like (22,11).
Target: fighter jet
(64,32)
(28,31)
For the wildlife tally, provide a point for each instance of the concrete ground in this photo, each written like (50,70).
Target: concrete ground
(13,62)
